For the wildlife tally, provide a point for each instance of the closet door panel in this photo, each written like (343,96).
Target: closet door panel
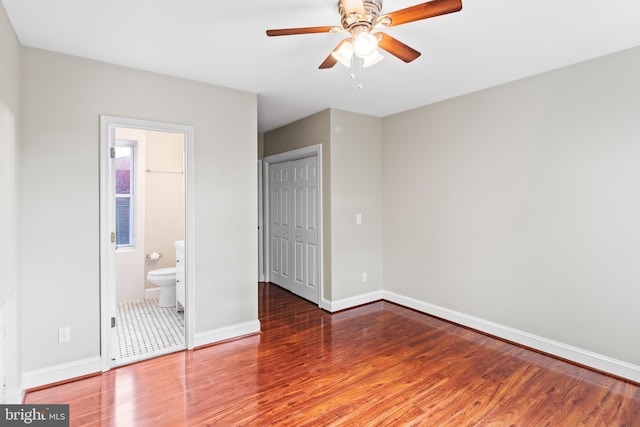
(280,205)
(305,232)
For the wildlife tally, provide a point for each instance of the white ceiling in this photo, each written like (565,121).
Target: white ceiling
(224,43)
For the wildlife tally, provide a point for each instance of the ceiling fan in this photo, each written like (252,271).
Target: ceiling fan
(360,18)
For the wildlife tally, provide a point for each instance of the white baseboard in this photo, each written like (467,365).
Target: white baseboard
(578,355)
(325,304)
(13,396)
(343,304)
(151,293)
(11,392)
(54,374)
(228,332)
(65,371)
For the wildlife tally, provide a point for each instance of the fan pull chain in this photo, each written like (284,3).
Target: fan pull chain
(356,71)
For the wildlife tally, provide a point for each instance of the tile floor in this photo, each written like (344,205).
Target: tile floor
(145,330)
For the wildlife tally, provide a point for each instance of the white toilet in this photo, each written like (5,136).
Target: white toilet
(165,278)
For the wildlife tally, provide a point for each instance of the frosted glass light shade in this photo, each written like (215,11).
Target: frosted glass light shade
(373,58)
(344,53)
(364,44)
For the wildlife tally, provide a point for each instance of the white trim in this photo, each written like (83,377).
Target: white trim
(106,254)
(147,356)
(343,304)
(57,373)
(261,276)
(283,157)
(190,235)
(151,293)
(227,332)
(565,351)
(11,389)
(299,153)
(325,304)
(134,236)
(14,396)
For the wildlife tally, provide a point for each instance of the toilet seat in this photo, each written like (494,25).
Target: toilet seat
(163,272)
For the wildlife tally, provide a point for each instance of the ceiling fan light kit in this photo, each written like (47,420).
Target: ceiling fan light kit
(360,18)
(364,43)
(344,52)
(372,59)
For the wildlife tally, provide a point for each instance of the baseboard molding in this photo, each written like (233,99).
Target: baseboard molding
(13,396)
(79,368)
(343,304)
(228,332)
(581,356)
(63,372)
(151,293)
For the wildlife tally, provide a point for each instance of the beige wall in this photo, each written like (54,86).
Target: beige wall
(9,147)
(520,205)
(260,145)
(9,110)
(517,204)
(63,98)
(352,184)
(356,178)
(164,198)
(309,131)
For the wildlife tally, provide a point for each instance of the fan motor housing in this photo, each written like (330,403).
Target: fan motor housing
(372,10)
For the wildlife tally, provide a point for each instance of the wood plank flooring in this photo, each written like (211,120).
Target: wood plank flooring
(379,364)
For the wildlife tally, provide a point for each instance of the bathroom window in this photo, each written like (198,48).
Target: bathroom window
(125,201)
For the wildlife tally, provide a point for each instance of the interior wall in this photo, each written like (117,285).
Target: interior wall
(63,97)
(164,199)
(9,118)
(356,177)
(520,205)
(352,184)
(311,130)
(260,145)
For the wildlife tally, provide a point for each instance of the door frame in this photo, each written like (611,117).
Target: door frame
(107,221)
(300,153)
(261,273)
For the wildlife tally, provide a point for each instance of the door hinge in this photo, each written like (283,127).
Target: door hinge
(113,237)
(112,152)
(113,322)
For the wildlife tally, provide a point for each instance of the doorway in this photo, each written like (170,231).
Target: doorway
(293,215)
(145,257)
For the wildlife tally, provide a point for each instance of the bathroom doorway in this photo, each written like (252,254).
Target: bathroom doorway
(144,263)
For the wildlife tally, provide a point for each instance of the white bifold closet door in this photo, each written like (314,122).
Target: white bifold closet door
(294,226)
(279,203)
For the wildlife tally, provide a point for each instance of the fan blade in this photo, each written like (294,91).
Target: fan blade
(424,11)
(353,6)
(304,30)
(331,60)
(396,47)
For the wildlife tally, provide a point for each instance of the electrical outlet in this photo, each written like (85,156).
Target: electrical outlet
(364,277)
(64,334)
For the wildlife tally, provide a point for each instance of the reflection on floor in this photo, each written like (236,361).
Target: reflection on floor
(145,330)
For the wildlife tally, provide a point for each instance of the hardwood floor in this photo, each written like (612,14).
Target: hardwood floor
(379,364)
